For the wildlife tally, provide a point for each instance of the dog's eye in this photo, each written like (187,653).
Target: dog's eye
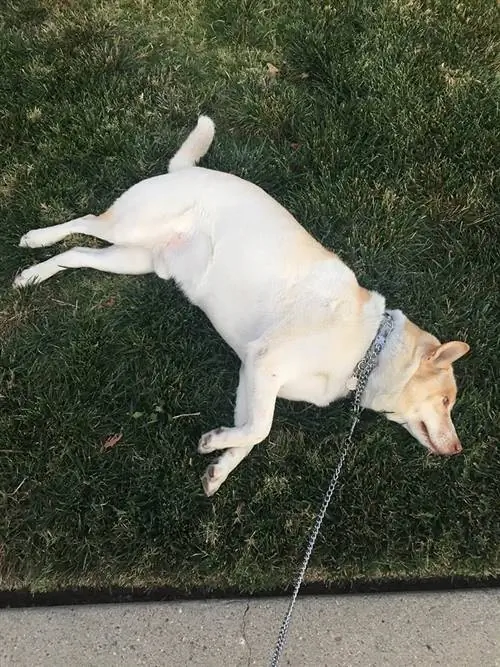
(446,401)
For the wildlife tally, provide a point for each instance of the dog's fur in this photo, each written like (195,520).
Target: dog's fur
(292,311)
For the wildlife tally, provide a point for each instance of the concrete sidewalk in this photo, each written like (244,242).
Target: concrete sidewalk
(460,628)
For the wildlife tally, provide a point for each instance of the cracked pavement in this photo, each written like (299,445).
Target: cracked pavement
(459,628)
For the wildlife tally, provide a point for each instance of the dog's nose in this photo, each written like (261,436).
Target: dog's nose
(456,448)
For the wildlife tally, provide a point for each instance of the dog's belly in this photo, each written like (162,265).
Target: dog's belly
(317,389)
(248,264)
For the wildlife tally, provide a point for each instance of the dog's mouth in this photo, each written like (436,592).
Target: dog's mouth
(424,432)
(421,433)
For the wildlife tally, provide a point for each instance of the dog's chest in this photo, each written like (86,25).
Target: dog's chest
(318,388)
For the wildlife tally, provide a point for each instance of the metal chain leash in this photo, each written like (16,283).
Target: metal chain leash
(361,374)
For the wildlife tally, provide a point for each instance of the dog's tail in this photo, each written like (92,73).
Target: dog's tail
(195,146)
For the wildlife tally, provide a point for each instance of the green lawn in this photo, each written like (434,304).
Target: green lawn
(377,125)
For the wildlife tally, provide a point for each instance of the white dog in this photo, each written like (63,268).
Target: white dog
(292,311)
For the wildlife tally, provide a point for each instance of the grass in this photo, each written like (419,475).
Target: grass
(379,130)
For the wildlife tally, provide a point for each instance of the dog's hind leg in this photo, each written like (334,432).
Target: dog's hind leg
(100,226)
(218,471)
(114,259)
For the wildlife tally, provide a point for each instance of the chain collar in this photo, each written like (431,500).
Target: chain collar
(364,367)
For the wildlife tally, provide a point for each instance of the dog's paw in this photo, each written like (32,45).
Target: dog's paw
(210,441)
(29,276)
(35,238)
(212,479)
(38,238)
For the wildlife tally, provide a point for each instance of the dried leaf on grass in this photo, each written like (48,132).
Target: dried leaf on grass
(272,71)
(111,441)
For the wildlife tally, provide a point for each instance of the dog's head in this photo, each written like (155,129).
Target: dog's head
(424,404)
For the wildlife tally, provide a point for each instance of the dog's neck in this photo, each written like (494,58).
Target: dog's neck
(397,362)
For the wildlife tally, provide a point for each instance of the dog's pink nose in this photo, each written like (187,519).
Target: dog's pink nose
(456,448)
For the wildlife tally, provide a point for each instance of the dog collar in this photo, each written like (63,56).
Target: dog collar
(384,330)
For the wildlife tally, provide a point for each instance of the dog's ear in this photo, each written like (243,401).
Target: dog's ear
(446,354)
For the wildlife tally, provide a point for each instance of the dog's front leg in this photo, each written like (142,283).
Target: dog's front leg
(218,471)
(262,384)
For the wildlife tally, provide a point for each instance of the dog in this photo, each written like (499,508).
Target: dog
(291,310)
